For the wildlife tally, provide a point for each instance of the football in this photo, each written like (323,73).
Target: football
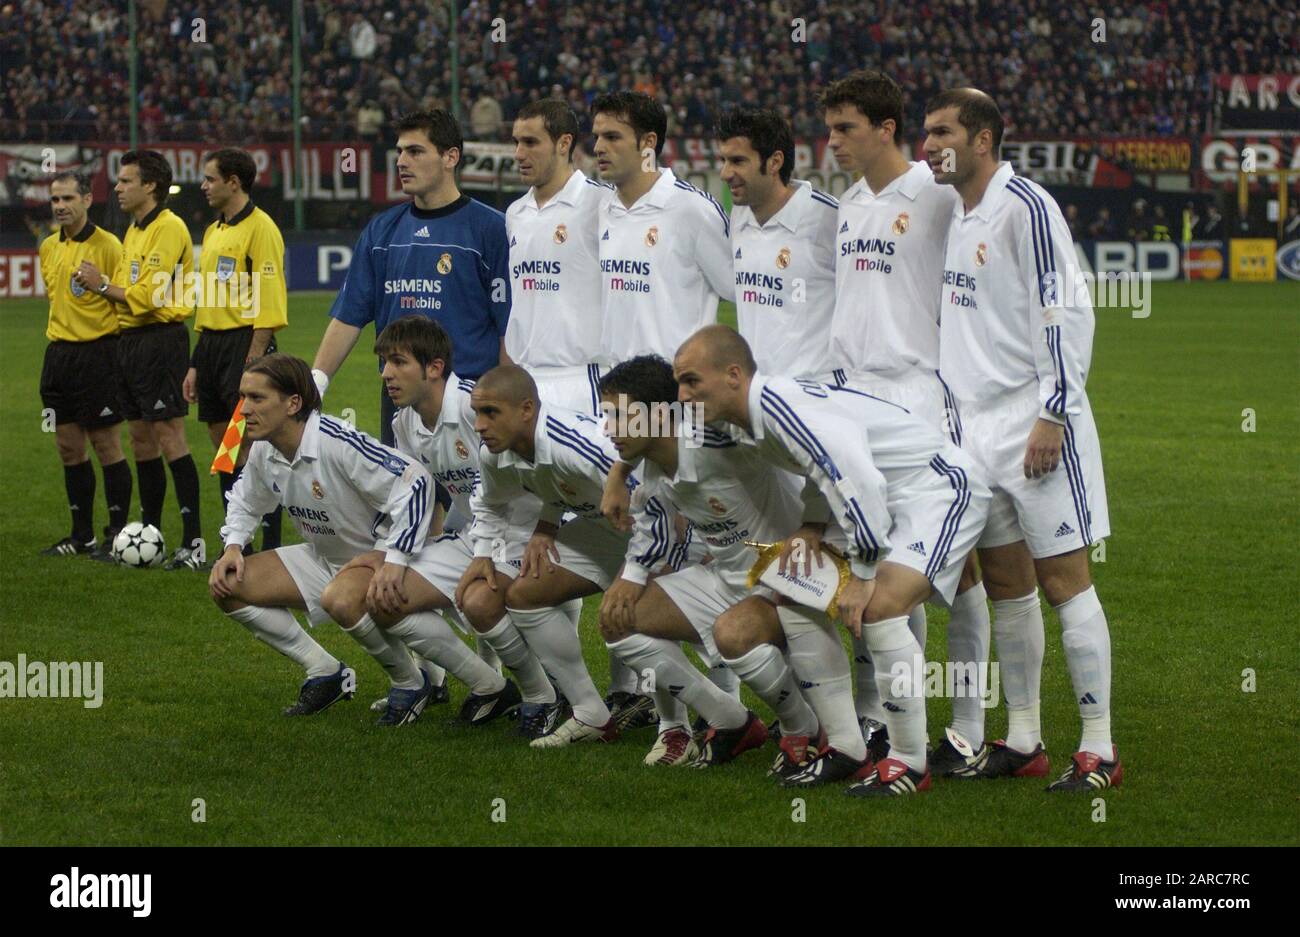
(138,544)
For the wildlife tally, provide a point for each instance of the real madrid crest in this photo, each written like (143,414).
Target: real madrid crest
(981,254)
(901,223)
(462,450)
(652,236)
(444,264)
(783,258)
(561,234)
(717,507)
(317,491)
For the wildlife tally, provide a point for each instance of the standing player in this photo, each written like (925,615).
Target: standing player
(730,499)
(885,339)
(1016,344)
(562,457)
(153,350)
(79,379)
(338,485)
(242,303)
(665,260)
(887,479)
(783,246)
(442,255)
(555,320)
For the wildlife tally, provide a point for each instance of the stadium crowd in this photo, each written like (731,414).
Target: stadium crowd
(211,70)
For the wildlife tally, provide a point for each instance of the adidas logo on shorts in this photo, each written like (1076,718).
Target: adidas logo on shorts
(1064,530)
(918,547)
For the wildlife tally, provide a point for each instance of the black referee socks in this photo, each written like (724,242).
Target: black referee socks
(186,477)
(117,493)
(79,480)
(153,488)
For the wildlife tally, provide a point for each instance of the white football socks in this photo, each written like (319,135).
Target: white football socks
(552,637)
(765,672)
(278,628)
(678,684)
(818,660)
(621,676)
(389,651)
(900,674)
(866,698)
(505,639)
(430,636)
(968,651)
(918,624)
(1087,652)
(1018,630)
(722,677)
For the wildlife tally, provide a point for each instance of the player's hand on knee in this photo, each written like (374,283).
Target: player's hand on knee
(540,553)
(618,609)
(372,561)
(188,386)
(804,545)
(387,589)
(482,568)
(230,563)
(1043,452)
(853,603)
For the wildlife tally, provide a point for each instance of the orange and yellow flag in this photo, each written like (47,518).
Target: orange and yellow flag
(231,440)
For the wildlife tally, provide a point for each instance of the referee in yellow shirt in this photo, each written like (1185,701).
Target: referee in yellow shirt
(242,302)
(79,379)
(153,349)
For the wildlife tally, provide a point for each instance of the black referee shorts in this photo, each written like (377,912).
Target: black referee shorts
(152,361)
(218,362)
(80,382)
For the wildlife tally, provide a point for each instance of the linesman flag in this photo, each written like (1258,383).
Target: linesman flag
(231,440)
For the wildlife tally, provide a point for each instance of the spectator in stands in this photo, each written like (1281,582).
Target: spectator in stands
(1072,219)
(1139,225)
(1103,226)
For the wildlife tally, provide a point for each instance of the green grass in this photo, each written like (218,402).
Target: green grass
(1199,583)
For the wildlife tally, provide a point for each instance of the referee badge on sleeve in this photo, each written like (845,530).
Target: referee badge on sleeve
(225,268)
(78,290)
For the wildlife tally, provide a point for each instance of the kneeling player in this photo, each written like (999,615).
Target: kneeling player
(336,484)
(562,457)
(434,423)
(729,498)
(889,477)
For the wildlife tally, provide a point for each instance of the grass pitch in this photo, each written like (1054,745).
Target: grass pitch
(1199,584)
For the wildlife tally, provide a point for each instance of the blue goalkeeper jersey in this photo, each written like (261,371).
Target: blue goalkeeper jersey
(451,264)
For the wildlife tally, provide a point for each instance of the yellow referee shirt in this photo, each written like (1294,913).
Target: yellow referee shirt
(241,269)
(157,266)
(76,313)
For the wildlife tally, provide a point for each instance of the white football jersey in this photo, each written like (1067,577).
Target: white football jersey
(664,263)
(728,497)
(341,487)
(571,461)
(888,274)
(555,313)
(1014,313)
(785,282)
(450,451)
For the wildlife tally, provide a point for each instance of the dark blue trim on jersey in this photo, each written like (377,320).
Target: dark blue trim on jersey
(1074,475)
(381,457)
(1040,228)
(599,185)
(716,439)
(841,378)
(578,443)
(593,378)
(465,384)
(1056,402)
(950,403)
(374,528)
(825,199)
(415,509)
(682,549)
(773,405)
(726,221)
(658,535)
(952,521)
(845,388)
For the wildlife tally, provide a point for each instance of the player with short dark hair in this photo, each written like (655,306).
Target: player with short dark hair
(441,255)
(79,379)
(153,349)
(1016,346)
(242,301)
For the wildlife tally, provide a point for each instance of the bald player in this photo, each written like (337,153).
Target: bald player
(563,458)
(887,479)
